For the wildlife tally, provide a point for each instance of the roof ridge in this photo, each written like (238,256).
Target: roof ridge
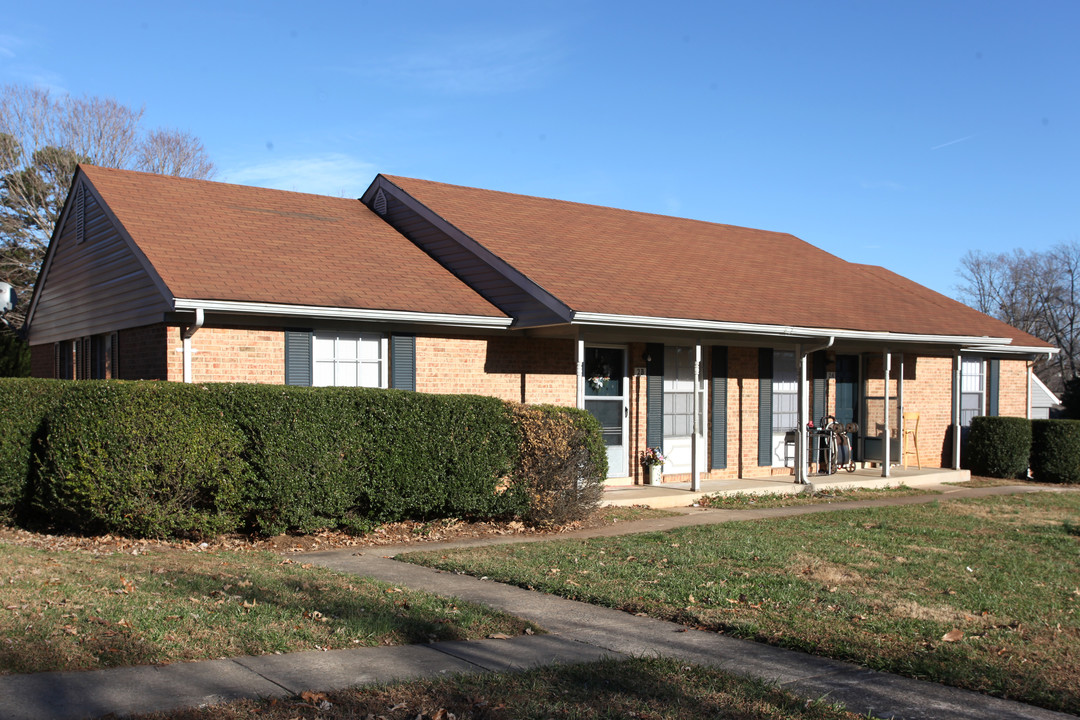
(160,177)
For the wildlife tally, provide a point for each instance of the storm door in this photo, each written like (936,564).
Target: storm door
(678,408)
(605,398)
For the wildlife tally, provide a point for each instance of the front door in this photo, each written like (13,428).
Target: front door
(605,398)
(847,394)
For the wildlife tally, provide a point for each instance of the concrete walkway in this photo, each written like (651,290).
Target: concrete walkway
(577,632)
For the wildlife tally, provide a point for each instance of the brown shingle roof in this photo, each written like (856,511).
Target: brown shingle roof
(214,241)
(605,260)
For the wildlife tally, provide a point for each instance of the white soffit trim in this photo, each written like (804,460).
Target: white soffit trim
(658,323)
(338,313)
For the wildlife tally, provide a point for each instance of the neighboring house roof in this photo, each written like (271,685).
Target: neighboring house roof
(619,262)
(1042,396)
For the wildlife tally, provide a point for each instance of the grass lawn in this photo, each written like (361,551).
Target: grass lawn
(77,611)
(982,594)
(640,688)
(746,501)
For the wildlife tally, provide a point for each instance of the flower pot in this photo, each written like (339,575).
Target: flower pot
(652,477)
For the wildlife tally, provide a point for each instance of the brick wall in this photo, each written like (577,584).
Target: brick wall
(41,360)
(1013,388)
(518,369)
(227,354)
(141,353)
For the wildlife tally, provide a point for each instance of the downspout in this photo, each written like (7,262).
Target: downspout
(801,470)
(580,371)
(186,334)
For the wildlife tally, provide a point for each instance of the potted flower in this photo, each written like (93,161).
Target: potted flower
(652,459)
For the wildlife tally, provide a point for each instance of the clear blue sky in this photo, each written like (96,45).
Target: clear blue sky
(897,133)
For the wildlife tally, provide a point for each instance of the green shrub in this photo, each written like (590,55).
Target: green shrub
(23,405)
(140,459)
(561,465)
(342,457)
(1055,451)
(998,447)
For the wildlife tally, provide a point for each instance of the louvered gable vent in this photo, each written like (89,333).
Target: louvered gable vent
(380,202)
(80,214)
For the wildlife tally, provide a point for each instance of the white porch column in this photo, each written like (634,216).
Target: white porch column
(696,443)
(580,372)
(885,439)
(801,470)
(900,405)
(957,379)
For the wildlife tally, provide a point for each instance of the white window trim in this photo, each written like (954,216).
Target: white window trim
(337,335)
(982,389)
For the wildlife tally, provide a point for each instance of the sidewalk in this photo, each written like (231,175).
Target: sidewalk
(577,633)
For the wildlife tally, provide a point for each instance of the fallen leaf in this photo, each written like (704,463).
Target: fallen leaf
(952,636)
(498,636)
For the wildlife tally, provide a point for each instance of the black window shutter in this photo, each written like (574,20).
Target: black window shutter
(654,395)
(298,357)
(993,375)
(820,385)
(765,374)
(403,362)
(718,441)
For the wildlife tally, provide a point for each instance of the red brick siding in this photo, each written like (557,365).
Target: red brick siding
(531,370)
(228,354)
(42,358)
(142,353)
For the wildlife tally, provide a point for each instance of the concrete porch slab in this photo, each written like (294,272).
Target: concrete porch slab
(670,495)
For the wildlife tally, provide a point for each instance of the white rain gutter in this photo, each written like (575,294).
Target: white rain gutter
(792,331)
(339,313)
(186,335)
(801,470)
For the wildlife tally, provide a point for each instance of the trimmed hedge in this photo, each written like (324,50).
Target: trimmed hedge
(330,457)
(172,460)
(562,464)
(1055,451)
(141,459)
(24,405)
(998,447)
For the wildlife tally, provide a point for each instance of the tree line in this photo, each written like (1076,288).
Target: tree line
(1035,291)
(43,137)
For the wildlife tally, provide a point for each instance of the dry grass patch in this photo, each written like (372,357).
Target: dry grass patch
(79,611)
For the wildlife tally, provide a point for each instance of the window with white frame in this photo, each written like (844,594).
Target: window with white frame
(349,359)
(785,391)
(972,389)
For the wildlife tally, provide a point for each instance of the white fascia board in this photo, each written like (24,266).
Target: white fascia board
(1015,349)
(338,313)
(792,331)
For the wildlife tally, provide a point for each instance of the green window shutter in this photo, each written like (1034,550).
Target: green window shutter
(403,362)
(298,357)
(993,380)
(820,386)
(654,395)
(718,440)
(765,373)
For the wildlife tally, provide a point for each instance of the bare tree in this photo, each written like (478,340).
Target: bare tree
(42,140)
(173,152)
(1037,292)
